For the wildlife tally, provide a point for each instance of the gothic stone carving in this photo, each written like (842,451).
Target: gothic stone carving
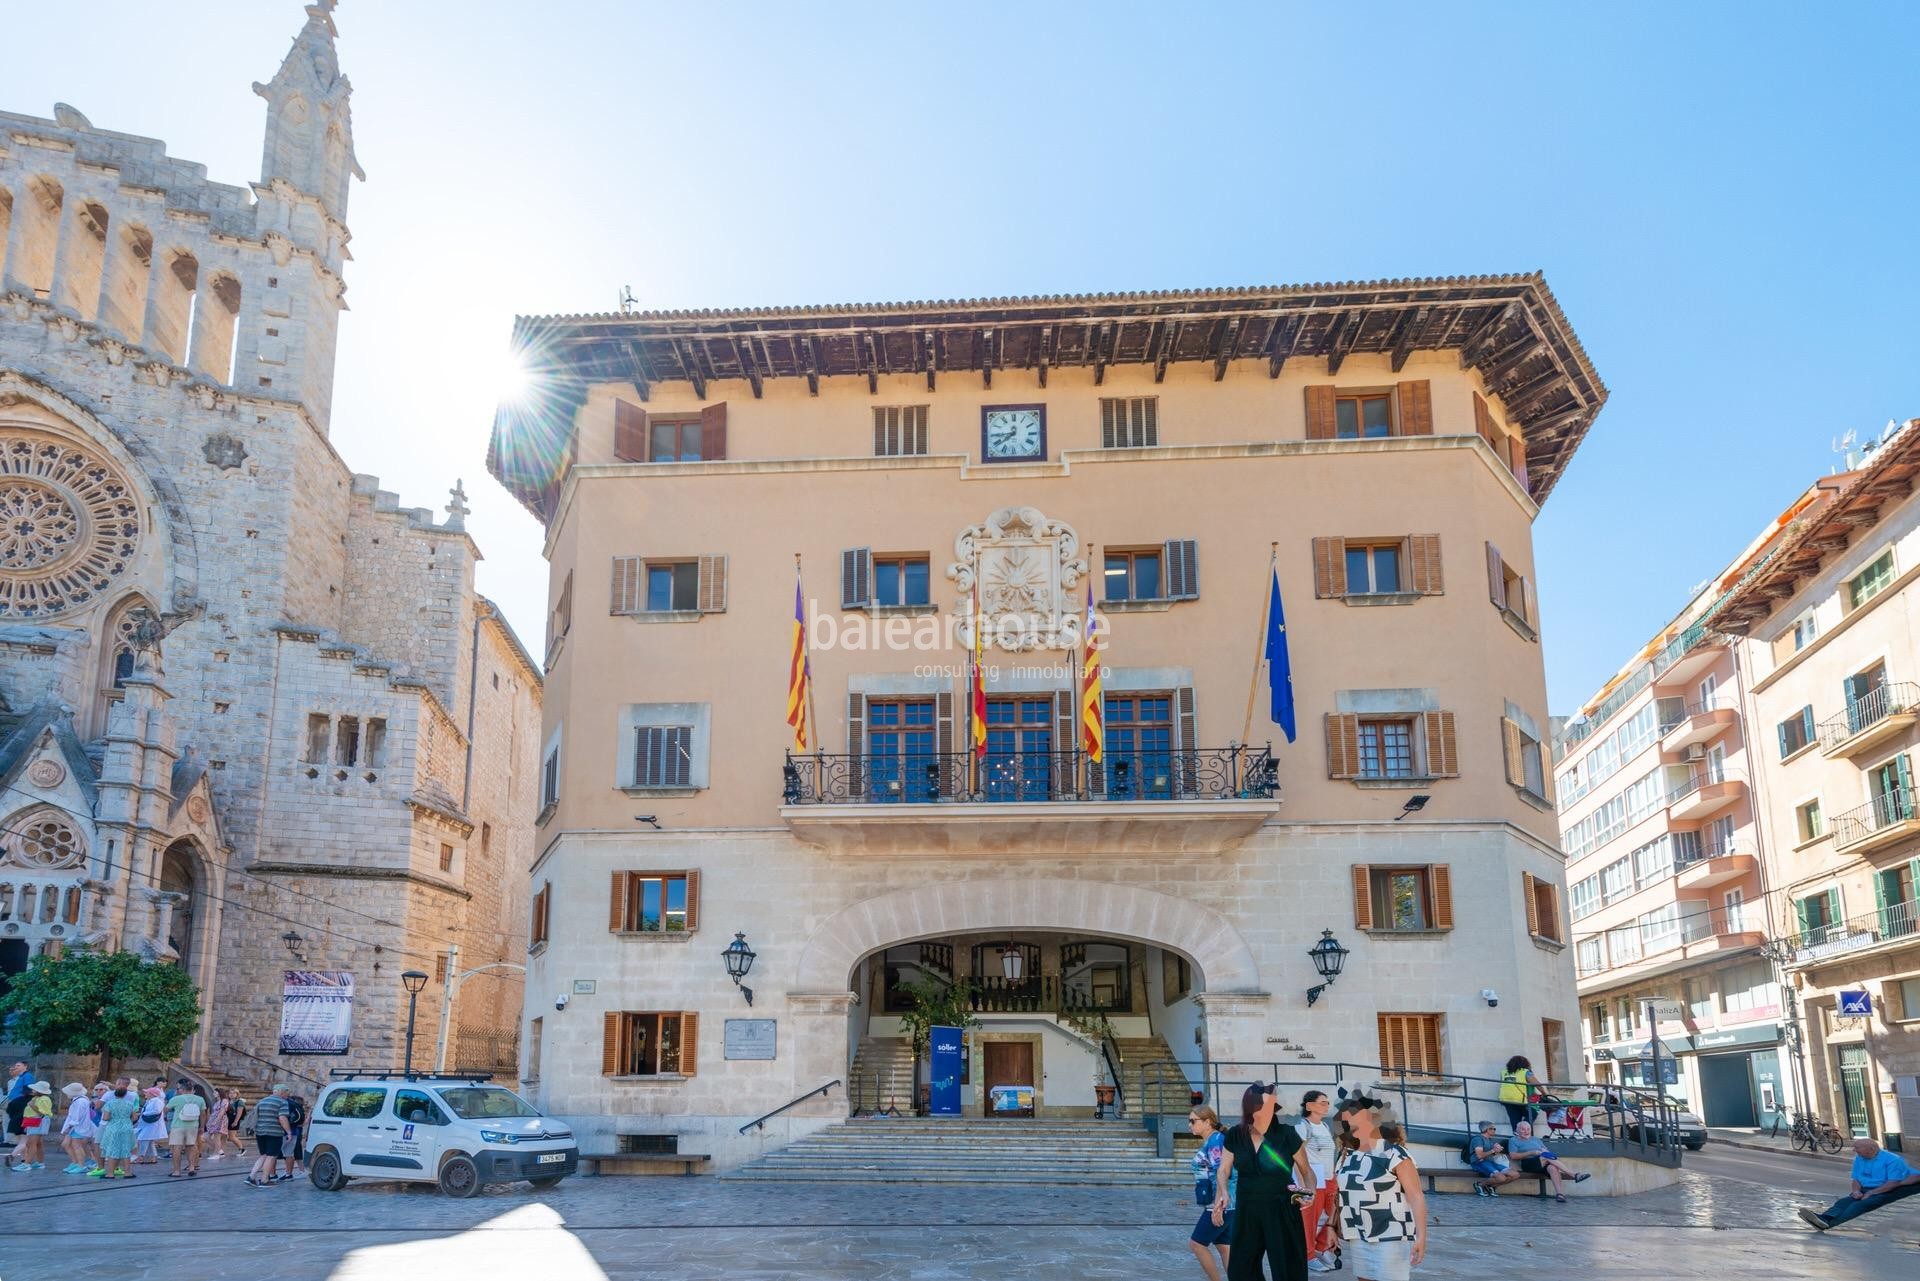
(46,773)
(224,451)
(69,525)
(1026,567)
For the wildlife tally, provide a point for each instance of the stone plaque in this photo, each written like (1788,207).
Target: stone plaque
(584,987)
(749,1038)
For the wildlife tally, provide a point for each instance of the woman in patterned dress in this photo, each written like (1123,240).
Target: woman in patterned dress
(1383,1212)
(217,1125)
(117,1111)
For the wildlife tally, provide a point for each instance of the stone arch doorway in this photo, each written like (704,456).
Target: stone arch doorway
(179,875)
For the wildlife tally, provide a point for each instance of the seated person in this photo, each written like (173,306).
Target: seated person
(1879,1178)
(1534,1158)
(1490,1162)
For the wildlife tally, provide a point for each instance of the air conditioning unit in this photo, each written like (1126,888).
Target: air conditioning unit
(1695,752)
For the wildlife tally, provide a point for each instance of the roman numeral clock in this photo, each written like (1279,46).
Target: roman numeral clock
(1013,433)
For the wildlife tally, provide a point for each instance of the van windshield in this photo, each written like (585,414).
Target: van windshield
(482,1102)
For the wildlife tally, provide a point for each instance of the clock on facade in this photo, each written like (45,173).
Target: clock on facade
(1013,433)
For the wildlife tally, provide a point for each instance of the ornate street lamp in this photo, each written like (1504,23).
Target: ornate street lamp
(739,959)
(1329,958)
(295,942)
(413,981)
(1013,962)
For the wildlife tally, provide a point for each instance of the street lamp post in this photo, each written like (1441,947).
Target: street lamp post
(455,977)
(413,981)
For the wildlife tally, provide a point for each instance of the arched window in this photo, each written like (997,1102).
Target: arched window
(44,839)
(116,658)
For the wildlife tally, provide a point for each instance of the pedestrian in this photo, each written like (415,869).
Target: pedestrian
(36,1123)
(272,1132)
(117,1113)
(185,1111)
(1273,1181)
(297,1134)
(1534,1158)
(1320,1216)
(236,1113)
(1518,1086)
(215,1132)
(151,1131)
(1204,1124)
(1879,1178)
(1383,1212)
(76,1132)
(1490,1161)
(18,1079)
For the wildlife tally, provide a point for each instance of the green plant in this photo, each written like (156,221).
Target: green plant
(111,1004)
(1093,1025)
(936,1004)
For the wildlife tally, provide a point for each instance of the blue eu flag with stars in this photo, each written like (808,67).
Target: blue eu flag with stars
(1279,666)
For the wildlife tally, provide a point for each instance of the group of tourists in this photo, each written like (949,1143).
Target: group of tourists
(1307,1195)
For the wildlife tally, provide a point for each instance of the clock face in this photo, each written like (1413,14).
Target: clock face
(1012,433)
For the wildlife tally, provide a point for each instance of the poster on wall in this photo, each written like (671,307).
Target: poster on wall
(943,1044)
(316,1012)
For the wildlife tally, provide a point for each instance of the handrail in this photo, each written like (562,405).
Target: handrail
(279,1068)
(790,1103)
(1113,1071)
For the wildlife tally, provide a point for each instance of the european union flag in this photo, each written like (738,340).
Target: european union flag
(1279,666)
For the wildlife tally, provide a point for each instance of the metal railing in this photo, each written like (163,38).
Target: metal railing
(1037,994)
(1682,645)
(878,778)
(1870,709)
(796,1101)
(280,1069)
(1692,853)
(1888,809)
(1110,1052)
(1625,946)
(1698,779)
(1443,1108)
(1891,923)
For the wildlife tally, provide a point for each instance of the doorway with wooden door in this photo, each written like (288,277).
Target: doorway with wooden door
(1010,1087)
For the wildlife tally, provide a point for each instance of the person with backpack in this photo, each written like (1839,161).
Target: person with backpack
(236,1113)
(296,1146)
(1488,1157)
(185,1111)
(151,1129)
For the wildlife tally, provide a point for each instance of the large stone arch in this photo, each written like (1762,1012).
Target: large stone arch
(1201,934)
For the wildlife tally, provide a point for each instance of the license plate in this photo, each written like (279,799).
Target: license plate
(553,1158)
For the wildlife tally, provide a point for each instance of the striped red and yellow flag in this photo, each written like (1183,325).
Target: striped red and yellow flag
(1093,718)
(799,674)
(977,684)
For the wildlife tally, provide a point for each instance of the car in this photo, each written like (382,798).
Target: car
(459,1131)
(1629,1113)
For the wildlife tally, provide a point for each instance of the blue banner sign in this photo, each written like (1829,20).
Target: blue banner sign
(943,1045)
(1856,1004)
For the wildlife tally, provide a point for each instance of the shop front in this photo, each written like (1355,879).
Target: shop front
(1741,1082)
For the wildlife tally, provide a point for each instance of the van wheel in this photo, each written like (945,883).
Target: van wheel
(459,1177)
(550,1181)
(323,1170)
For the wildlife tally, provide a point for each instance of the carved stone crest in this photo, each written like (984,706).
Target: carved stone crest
(197,808)
(46,773)
(1025,567)
(224,451)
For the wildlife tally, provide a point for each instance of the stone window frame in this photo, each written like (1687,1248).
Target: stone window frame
(635,716)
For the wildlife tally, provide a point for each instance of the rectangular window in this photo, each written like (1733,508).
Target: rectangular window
(1907,1002)
(1584,896)
(486,840)
(902,759)
(1386,749)
(673,587)
(1818,916)
(535,1031)
(1134,575)
(1410,1044)
(1660,928)
(1543,909)
(1402,898)
(1019,764)
(1654,861)
(1588,956)
(440,967)
(900,580)
(673,440)
(1871,581)
(1748,987)
(1176,977)
(1373,570)
(1811,823)
(376,745)
(550,779)
(1139,746)
(346,746)
(1602,1024)
(1804,630)
(1699,993)
(1365,416)
(899,430)
(319,733)
(561,621)
(1511,593)
(446,857)
(1796,731)
(653,902)
(1130,423)
(1626,1013)
(648,1044)
(1616,879)
(663,756)
(537,926)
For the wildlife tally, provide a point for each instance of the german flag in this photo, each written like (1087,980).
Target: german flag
(1093,720)
(799,673)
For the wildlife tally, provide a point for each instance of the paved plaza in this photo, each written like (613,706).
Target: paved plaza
(214,1227)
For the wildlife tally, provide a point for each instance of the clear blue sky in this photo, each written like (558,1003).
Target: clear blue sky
(1723,196)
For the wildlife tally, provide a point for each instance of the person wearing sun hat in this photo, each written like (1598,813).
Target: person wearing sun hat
(76,1132)
(35,1122)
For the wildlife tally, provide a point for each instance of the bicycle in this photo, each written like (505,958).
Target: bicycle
(1809,1133)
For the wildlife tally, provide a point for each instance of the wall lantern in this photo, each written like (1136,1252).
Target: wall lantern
(1012,962)
(739,959)
(1329,958)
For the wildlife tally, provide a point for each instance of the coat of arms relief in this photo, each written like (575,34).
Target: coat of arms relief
(1026,568)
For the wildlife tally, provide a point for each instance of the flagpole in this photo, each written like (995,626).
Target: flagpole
(806,657)
(1082,781)
(1260,639)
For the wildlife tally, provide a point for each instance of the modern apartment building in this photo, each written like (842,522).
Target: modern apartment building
(930,466)
(1829,618)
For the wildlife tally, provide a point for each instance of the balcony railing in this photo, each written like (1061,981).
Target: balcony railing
(1889,809)
(1037,994)
(1625,946)
(1698,779)
(1197,774)
(1692,854)
(1869,710)
(1893,923)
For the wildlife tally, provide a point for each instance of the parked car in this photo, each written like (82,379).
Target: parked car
(1628,1112)
(461,1132)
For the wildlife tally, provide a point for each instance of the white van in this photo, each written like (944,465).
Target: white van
(462,1132)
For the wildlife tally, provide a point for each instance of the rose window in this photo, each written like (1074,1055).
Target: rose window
(70,525)
(50,843)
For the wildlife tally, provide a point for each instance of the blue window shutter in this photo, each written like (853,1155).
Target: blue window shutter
(1781,730)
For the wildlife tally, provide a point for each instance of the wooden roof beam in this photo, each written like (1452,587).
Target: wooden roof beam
(873,364)
(1223,349)
(1346,332)
(1280,343)
(690,368)
(1528,392)
(1404,334)
(1512,357)
(1559,418)
(1470,350)
(1045,356)
(1163,348)
(637,372)
(743,352)
(1107,341)
(929,355)
(811,359)
(985,348)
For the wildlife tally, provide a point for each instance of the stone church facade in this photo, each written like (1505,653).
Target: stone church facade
(256,717)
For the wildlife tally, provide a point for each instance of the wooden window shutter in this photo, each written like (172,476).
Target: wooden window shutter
(646,755)
(693,901)
(1440,877)
(713,432)
(565,607)
(1182,569)
(617,903)
(1516,762)
(1362,896)
(1430,1042)
(1329,567)
(1423,562)
(679,752)
(1533,903)
(689,1044)
(1416,407)
(628,576)
(1343,745)
(713,585)
(1550,902)
(856,577)
(1517,459)
(1109,410)
(1321,421)
(610,1045)
(886,430)
(1529,604)
(1443,751)
(629,432)
(1189,779)
(856,745)
(1483,423)
(1496,577)
(953,777)
(1066,735)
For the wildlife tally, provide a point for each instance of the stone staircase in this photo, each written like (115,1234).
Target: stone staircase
(882,1075)
(972,1150)
(1149,1059)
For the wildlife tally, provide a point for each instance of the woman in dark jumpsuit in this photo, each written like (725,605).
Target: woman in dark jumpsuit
(1266,1218)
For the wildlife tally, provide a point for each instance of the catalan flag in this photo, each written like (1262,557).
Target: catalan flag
(799,673)
(1093,721)
(977,683)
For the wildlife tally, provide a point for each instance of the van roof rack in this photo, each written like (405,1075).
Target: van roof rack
(364,1073)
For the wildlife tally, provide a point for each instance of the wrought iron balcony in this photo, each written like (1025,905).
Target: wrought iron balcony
(1891,816)
(1871,719)
(1703,792)
(1030,802)
(1894,923)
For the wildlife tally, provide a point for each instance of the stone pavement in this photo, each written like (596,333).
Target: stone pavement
(589,1229)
